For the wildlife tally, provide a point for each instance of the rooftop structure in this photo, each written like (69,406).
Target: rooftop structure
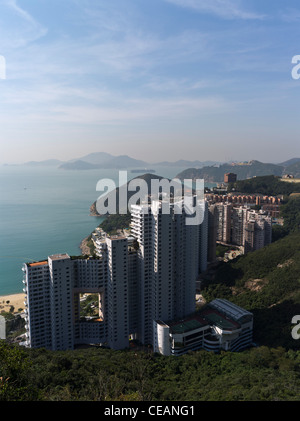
(35,264)
(187,325)
(220,325)
(59,256)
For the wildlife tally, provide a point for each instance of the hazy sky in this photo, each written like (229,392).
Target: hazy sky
(154,79)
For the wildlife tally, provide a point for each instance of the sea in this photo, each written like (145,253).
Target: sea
(46,210)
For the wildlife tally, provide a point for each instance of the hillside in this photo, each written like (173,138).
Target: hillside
(104,376)
(266,282)
(146,177)
(46,163)
(78,165)
(95,158)
(293,169)
(124,161)
(267,185)
(289,162)
(188,164)
(216,174)
(94,161)
(107,161)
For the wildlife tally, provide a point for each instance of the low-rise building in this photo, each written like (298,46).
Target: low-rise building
(221,325)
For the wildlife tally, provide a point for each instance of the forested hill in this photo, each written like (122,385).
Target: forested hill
(105,376)
(115,193)
(216,174)
(294,169)
(268,185)
(266,282)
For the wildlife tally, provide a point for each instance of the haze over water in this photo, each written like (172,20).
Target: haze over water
(44,211)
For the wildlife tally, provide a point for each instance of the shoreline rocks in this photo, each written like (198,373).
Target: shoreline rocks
(84,247)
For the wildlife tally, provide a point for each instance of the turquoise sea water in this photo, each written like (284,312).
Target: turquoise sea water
(44,211)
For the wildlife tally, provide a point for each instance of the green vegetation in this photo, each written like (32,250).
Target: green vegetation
(91,244)
(114,222)
(266,282)
(89,306)
(15,381)
(291,214)
(15,325)
(97,374)
(221,250)
(278,232)
(216,174)
(267,185)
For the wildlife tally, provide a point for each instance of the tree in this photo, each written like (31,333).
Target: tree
(15,382)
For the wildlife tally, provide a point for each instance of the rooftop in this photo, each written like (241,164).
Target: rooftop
(231,309)
(216,318)
(186,325)
(43,263)
(117,237)
(59,256)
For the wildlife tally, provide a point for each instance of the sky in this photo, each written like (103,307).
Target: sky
(157,80)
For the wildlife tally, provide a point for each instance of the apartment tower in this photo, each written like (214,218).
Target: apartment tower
(150,274)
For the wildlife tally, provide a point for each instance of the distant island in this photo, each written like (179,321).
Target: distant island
(103,160)
(45,163)
(210,171)
(143,170)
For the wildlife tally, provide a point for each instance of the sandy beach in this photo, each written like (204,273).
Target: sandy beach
(15,300)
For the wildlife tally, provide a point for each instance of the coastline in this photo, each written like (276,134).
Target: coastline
(85,250)
(15,300)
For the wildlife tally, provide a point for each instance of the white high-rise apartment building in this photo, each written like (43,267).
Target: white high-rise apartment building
(53,289)
(147,276)
(37,304)
(242,226)
(238,221)
(171,254)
